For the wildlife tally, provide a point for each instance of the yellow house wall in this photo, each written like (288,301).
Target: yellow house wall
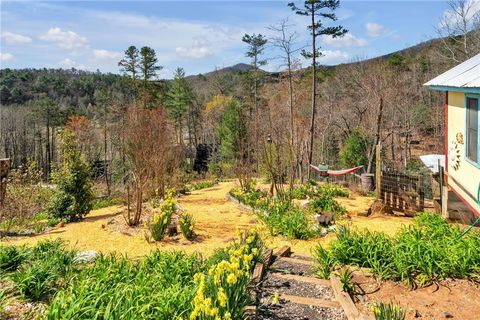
(467,175)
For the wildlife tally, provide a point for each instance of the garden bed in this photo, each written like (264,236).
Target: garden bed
(457,298)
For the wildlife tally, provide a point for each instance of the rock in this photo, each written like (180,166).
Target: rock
(61,224)
(88,256)
(446,314)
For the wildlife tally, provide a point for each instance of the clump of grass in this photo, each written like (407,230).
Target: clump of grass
(107,203)
(41,271)
(280,216)
(288,220)
(390,311)
(187,224)
(426,251)
(326,203)
(10,258)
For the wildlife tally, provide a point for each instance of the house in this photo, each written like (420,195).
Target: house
(461,85)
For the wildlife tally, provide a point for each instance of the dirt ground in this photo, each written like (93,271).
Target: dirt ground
(216,222)
(457,299)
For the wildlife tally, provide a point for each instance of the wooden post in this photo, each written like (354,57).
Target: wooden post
(4,170)
(443,192)
(378,171)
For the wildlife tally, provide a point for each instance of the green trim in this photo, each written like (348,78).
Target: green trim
(458,89)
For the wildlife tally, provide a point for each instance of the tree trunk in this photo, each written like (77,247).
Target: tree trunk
(314,89)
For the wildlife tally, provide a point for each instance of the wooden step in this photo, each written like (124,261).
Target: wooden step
(311,301)
(297,261)
(312,280)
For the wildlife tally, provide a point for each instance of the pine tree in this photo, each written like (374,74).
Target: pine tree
(148,69)
(319,12)
(179,99)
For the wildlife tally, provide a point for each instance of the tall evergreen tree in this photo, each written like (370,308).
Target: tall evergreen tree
(256,46)
(319,12)
(179,99)
(130,63)
(148,69)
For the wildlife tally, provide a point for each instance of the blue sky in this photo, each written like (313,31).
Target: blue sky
(195,35)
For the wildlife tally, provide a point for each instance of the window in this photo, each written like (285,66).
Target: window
(472,146)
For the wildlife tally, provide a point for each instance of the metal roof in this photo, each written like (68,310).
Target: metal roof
(464,76)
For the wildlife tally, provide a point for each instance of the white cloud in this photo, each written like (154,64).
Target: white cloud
(332,57)
(69,63)
(348,40)
(199,50)
(102,54)
(374,29)
(6,56)
(64,39)
(15,38)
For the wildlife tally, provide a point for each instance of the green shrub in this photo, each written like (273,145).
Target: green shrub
(73,195)
(426,251)
(389,311)
(327,203)
(186,226)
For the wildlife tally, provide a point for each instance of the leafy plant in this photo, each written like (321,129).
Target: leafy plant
(389,311)
(162,219)
(186,226)
(222,293)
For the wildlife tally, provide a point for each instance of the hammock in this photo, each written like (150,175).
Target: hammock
(336,172)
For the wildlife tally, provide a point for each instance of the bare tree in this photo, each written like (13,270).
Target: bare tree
(459,31)
(148,147)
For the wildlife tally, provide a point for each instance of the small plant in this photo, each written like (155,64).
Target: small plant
(390,311)
(345,275)
(325,262)
(186,226)
(162,219)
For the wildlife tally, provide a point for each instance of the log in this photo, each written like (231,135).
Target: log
(311,301)
(344,299)
(258,273)
(283,252)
